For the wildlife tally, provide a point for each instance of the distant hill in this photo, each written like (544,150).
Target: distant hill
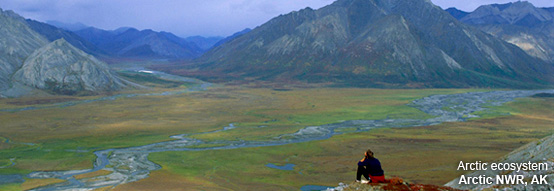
(368,43)
(53,33)
(67,26)
(204,43)
(520,23)
(458,14)
(130,42)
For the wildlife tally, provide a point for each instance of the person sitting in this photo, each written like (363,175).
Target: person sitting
(370,168)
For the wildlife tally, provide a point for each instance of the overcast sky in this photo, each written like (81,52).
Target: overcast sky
(186,17)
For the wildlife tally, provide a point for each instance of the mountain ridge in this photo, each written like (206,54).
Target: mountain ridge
(130,42)
(53,33)
(519,23)
(32,65)
(61,68)
(346,43)
(17,41)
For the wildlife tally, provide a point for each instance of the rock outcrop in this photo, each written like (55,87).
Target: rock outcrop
(61,68)
(17,41)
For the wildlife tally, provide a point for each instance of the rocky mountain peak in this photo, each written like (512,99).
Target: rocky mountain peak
(374,42)
(17,41)
(520,23)
(517,13)
(12,14)
(61,68)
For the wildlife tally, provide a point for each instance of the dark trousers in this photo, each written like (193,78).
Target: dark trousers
(362,170)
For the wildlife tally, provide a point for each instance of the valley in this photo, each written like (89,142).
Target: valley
(289,104)
(134,140)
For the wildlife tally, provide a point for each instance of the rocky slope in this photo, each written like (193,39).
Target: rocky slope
(61,68)
(398,43)
(520,23)
(17,41)
(233,36)
(541,151)
(30,65)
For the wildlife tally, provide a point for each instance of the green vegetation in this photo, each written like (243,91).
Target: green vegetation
(404,152)
(65,138)
(151,80)
(10,187)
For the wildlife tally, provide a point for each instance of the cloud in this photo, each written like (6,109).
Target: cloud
(184,17)
(471,5)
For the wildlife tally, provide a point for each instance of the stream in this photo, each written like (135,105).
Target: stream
(132,164)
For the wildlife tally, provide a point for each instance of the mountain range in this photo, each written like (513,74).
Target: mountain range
(30,63)
(520,23)
(53,33)
(361,43)
(130,42)
(374,43)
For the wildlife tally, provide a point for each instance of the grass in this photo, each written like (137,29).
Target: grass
(138,121)
(151,80)
(426,155)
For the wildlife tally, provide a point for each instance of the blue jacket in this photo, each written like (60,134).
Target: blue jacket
(373,166)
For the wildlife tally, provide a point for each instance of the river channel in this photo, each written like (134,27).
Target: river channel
(132,164)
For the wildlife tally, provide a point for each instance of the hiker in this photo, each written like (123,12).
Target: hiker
(370,167)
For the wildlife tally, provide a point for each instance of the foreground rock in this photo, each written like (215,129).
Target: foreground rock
(391,186)
(61,68)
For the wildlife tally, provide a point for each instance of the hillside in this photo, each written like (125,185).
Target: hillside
(30,65)
(520,23)
(17,41)
(374,43)
(61,68)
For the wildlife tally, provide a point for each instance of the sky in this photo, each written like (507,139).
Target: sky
(186,17)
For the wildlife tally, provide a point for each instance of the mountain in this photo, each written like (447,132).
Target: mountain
(130,42)
(520,23)
(61,68)
(536,152)
(68,26)
(17,42)
(204,43)
(458,14)
(233,36)
(53,33)
(30,65)
(375,43)
(521,13)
